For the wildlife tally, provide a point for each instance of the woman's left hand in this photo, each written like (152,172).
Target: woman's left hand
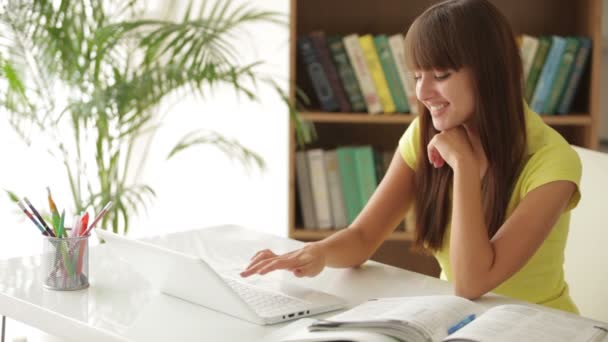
(451,146)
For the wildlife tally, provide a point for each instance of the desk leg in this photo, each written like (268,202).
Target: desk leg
(3,326)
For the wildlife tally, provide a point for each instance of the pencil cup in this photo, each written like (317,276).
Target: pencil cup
(65,263)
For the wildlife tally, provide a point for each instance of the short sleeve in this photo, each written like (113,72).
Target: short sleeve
(553,163)
(408,144)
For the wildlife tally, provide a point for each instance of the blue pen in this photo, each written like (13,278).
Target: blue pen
(461,324)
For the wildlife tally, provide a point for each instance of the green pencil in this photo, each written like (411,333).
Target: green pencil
(61,229)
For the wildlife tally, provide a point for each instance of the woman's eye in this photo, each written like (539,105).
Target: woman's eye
(441,77)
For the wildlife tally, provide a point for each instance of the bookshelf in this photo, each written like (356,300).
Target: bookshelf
(343,17)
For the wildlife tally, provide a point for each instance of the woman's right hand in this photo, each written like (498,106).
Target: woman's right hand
(307,261)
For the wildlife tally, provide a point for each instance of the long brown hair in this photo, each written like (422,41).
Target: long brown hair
(474,34)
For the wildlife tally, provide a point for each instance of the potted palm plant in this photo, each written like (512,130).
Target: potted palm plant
(88,75)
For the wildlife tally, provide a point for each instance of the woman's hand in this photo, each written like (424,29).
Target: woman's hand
(304,262)
(450,146)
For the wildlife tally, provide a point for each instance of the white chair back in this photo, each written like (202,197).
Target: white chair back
(586,256)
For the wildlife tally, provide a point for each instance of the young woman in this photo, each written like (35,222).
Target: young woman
(492,185)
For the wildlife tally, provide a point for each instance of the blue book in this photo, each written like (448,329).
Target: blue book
(564,68)
(548,74)
(582,56)
(320,83)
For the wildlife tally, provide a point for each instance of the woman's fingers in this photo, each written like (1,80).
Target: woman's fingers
(262,255)
(256,259)
(265,262)
(307,261)
(433,154)
(280,264)
(254,267)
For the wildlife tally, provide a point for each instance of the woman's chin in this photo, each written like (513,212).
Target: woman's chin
(440,125)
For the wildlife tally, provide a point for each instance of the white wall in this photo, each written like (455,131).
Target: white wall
(196,188)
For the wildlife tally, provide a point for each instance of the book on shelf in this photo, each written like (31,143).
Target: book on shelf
(447,318)
(362,72)
(336,196)
(382,160)
(397,44)
(582,55)
(544,43)
(375,69)
(320,190)
(346,73)
(365,173)
(391,73)
(319,43)
(307,207)
(346,165)
(562,72)
(527,49)
(547,75)
(317,75)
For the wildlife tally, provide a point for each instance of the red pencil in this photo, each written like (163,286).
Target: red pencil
(84,223)
(83,228)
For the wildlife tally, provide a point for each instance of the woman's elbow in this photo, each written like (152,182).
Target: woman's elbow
(469,291)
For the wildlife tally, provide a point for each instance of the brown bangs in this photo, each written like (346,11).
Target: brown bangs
(430,42)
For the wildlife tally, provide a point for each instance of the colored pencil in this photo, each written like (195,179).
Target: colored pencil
(103,211)
(40,219)
(29,215)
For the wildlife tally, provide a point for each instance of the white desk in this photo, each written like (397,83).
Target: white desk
(120,305)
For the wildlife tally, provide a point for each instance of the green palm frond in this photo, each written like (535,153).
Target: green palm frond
(231,148)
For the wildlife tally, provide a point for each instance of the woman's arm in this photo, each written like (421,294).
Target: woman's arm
(354,245)
(479,264)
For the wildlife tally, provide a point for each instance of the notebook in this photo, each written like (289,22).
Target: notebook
(192,279)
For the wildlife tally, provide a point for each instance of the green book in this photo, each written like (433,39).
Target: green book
(391,74)
(564,69)
(544,43)
(346,73)
(348,179)
(365,170)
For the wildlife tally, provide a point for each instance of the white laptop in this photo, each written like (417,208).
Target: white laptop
(192,279)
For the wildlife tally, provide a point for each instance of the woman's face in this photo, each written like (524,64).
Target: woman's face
(447,94)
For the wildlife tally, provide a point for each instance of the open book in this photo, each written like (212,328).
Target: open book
(448,318)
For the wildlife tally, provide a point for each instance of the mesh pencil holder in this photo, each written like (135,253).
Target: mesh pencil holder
(65,263)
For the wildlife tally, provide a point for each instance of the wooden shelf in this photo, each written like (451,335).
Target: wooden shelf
(574,119)
(358,118)
(318,234)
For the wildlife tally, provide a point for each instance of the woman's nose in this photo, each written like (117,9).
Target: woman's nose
(424,88)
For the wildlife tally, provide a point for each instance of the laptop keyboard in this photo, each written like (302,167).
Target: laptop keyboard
(266,303)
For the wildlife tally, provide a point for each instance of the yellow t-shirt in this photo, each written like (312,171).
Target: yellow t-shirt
(549,158)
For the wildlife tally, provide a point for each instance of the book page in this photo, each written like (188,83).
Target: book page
(297,331)
(523,323)
(433,315)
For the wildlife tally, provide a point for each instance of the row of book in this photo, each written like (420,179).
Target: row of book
(369,73)
(334,185)
(553,67)
(358,73)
